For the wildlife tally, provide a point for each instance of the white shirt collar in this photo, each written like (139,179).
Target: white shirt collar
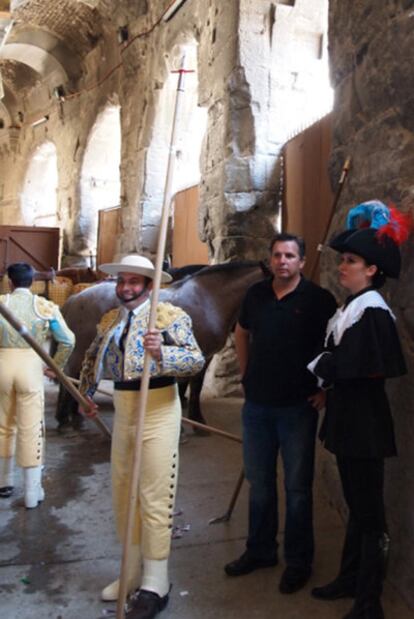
(25,290)
(135,311)
(348,315)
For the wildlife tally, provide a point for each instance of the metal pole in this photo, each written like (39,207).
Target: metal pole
(62,378)
(143,393)
(226,517)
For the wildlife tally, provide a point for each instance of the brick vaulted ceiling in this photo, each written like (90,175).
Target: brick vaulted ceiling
(76,24)
(49,41)
(47,44)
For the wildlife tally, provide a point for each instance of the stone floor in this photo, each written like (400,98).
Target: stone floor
(55,559)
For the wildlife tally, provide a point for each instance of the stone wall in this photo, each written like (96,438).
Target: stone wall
(137,85)
(68,128)
(256,67)
(373,76)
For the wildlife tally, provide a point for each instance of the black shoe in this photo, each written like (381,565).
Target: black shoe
(78,423)
(146,604)
(246,564)
(64,427)
(294,578)
(334,590)
(369,610)
(6,492)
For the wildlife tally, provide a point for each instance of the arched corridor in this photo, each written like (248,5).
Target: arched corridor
(100,185)
(39,193)
(191,132)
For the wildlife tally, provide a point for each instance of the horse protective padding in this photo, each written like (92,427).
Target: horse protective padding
(81,286)
(60,289)
(57,290)
(4,285)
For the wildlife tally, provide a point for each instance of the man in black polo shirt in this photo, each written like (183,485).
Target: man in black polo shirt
(282,321)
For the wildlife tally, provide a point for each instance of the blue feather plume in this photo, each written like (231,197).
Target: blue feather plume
(371,214)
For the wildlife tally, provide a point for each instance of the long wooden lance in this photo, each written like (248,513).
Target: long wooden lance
(344,175)
(62,378)
(143,393)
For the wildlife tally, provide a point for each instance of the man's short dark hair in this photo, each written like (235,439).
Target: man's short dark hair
(282,237)
(21,274)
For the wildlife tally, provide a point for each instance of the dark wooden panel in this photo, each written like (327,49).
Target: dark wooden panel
(186,245)
(308,195)
(109,228)
(35,245)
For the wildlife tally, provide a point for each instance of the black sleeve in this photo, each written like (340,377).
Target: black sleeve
(369,349)
(328,308)
(325,369)
(243,319)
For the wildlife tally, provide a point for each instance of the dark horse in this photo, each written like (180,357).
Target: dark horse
(211,296)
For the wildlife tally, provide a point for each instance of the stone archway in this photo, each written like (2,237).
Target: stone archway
(191,133)
(100,183)
(38,198)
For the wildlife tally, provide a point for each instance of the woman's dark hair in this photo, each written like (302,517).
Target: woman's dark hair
(378,280)
(21,274)
(282,237)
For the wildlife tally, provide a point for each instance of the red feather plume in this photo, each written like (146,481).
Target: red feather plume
(398,228)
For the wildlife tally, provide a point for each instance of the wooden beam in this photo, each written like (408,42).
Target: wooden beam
(4,14)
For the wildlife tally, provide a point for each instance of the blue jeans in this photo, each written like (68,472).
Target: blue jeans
(292,430)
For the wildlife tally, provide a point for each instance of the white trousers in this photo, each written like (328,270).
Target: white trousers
(21,406)
(159,467)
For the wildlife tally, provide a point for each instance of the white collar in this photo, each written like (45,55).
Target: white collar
(135,311)
(24,290)
(348,315)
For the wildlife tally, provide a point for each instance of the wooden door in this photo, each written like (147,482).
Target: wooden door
(109,229)
(36,245)
(308,196)
(187,248)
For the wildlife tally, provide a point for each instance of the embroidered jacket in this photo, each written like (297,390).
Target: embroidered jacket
(42,318)
(180,353)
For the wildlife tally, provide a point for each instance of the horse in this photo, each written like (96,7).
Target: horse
(211,296)
(77,275)
(80,275)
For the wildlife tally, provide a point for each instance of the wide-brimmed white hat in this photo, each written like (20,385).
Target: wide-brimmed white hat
(134,264)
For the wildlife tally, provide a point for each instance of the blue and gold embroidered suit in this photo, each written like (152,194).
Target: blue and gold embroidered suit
(181,355)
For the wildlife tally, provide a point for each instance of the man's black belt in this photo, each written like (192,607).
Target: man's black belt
(135,385)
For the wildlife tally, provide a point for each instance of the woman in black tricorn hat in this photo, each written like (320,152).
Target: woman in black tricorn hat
(362,349)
